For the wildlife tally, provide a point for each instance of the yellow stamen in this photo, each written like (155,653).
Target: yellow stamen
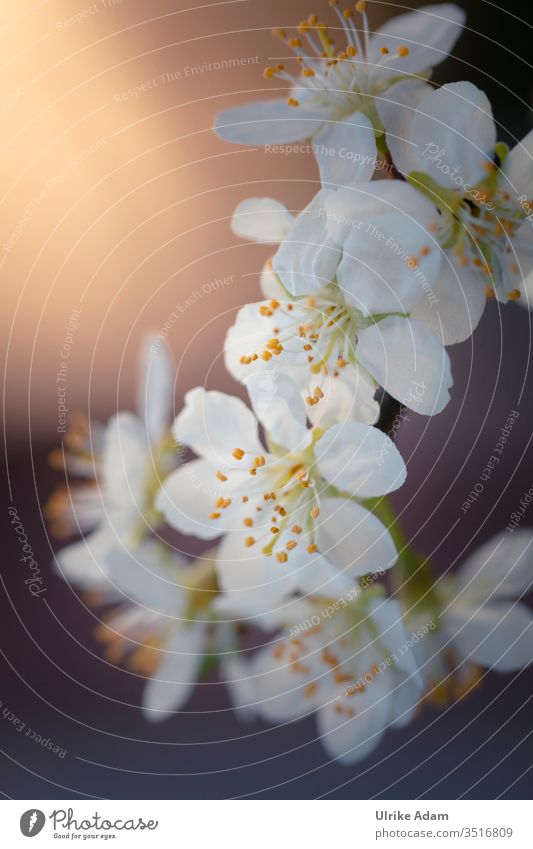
(238,453)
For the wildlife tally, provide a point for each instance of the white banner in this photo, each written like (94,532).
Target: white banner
(254,823)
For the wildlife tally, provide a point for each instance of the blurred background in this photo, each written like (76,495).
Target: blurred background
(115,206)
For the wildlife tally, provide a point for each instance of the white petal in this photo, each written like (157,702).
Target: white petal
(156,390)
(454,306)
(175,677)
(360,460)
(430,33)
(236,672)
(348,395)
(389,258)
(243,570)
(214,424)
(278,404)
(270,284)
(397,108)
(498,636)
(261,220)
(149,578)
(501,568)
(186,500)
(353,539)
(127,463)
(84,564)
(319,577)
(265,122)
(388,626)
(406,359)
(307,258)
(346,150)
(279,689)
(455,134)
(350,740)
(518,168)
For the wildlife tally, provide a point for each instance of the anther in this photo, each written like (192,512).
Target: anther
(403,50)
(249,541)
(281,557)
(238,453)
(221,477)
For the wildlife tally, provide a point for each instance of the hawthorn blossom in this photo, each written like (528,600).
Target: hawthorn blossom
(121,464)
(290,514)
(445,143)
(333,98)
(352,669)
(376,312)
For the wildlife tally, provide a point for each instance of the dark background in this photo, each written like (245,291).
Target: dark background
(52,674)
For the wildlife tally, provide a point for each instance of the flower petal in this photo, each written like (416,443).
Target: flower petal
(518,167)
(360,460)
(186,500)
(156,390)
(264,122)
(406,359)
(346,150)
(348,395)
(397,108)
(126,464)
(455,134)
(176,675)
(243,570)
(501,568)
(307,258)
(278,404)
(498,636)
(454,306)
(349,740)
(148,577)
(353,539)
(430,33)
(261,220)
(214,424)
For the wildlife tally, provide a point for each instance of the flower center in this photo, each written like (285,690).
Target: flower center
(339,78)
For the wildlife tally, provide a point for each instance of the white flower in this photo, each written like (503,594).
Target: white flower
(353,668)
(445,142)
(163,626)
(288,513)
(127,459)
(332,98)
(375,316)
(483,617)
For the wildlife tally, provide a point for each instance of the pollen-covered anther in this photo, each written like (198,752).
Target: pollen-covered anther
(291,545)
(425,250)
(310,689)
(279,33)
(238,453)
(248,522)
(249,541)
(269,73)
(308,72)
(490,293)
(296,529)
(265,311)
(403,50)
(311,401)
(215,515)
(281,557)
(274,529)
(412,262)
(315,512)
(266,355)
(221,477)
(291,101)
(348,13)
(245,360)
(384,51)
(317,393)
(259,461)
(514,294)
(312,548)
(360,6)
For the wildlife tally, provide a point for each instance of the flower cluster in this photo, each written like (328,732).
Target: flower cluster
(420,217)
